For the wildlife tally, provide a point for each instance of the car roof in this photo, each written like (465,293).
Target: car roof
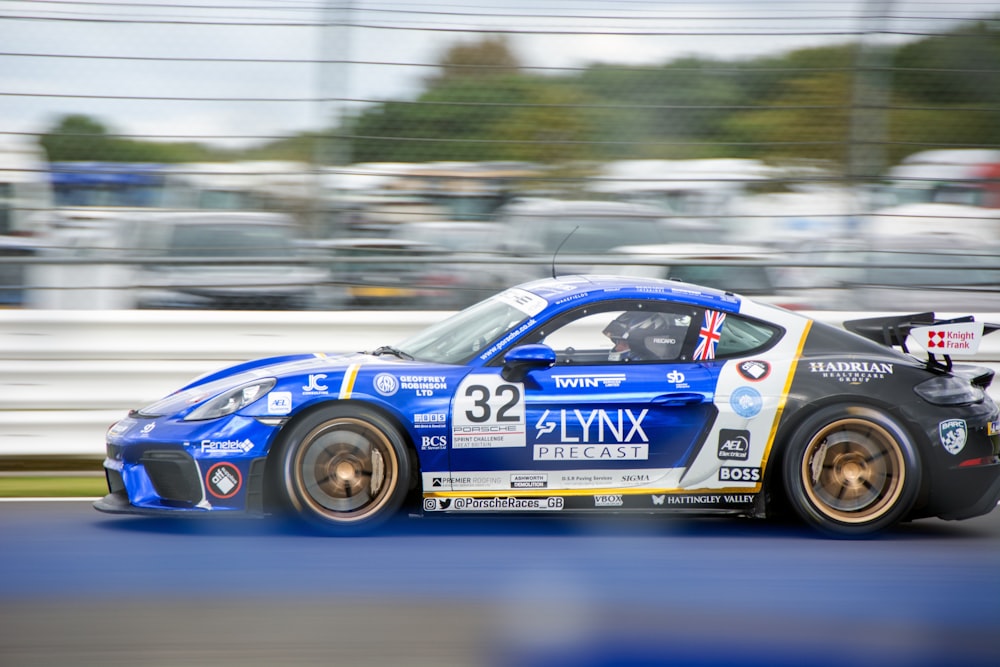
(578,289)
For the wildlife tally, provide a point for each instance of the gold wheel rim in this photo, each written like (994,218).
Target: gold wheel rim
(853,471)
(346,469)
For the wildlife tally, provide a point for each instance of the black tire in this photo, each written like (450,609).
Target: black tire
(851,471)
(344,469)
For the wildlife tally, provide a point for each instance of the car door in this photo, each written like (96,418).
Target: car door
(593,420)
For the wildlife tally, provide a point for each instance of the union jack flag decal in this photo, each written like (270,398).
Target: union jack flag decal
(709,335)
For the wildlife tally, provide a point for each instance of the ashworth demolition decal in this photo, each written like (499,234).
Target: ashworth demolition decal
(851,372)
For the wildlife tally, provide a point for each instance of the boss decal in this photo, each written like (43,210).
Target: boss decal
(739,474)
(223,480)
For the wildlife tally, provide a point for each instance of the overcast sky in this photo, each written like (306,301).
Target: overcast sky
(173,52)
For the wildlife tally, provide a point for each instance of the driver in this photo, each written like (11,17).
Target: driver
(641,336)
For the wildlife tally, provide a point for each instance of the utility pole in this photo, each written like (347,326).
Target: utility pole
(872,89)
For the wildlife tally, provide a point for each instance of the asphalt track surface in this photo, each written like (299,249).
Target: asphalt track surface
(80,588)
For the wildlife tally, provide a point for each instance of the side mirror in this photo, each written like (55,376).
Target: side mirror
(525,358)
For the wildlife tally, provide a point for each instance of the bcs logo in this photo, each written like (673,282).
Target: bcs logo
(739,474)
(434,442)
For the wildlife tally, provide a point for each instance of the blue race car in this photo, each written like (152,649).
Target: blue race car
(585,394)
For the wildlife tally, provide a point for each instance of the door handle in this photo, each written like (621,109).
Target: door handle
(679,398)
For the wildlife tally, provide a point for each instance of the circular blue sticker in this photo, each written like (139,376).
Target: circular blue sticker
(746,402)
(386,384)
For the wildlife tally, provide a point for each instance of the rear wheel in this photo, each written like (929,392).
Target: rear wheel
(344,469)
(851,471)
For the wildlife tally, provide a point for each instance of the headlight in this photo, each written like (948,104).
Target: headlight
(949,390)
(230,401)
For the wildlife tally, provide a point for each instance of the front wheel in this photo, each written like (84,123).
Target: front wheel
(851,471)
(344,469)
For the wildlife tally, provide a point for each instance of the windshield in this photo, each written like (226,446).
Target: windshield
(462,336)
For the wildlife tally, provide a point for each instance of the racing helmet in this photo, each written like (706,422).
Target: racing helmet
(650,336)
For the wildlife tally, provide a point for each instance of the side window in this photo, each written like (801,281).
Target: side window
(625,334)
(740,336)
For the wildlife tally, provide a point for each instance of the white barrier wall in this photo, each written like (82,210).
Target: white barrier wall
(65,376)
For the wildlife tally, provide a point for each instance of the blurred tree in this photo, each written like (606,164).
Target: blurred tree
(806,109)
(675,111)
(480,107)
(946,91)
(490,56)
(959,67)
(82,138)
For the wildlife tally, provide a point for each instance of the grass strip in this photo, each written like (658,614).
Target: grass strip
(55,486)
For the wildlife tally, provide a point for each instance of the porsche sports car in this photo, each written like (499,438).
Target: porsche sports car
(585,394)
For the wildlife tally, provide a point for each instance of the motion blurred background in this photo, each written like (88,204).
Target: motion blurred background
(325,155)
(311,154)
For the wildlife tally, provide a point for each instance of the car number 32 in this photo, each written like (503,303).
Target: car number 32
(488,412)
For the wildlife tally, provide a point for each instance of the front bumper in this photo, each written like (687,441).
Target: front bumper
(160,466)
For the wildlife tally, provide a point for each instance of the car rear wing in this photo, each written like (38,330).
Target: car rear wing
(945,337)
